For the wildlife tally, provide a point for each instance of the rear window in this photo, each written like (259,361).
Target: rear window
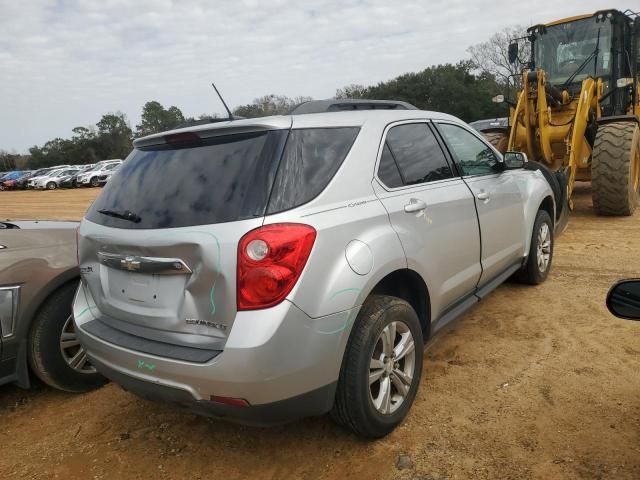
(231,177)
(227,178)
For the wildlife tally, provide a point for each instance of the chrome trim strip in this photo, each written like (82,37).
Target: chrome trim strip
(152,265)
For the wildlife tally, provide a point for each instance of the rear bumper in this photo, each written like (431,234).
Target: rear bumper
(282,362)
(312,403)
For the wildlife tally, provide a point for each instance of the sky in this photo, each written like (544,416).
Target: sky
(65,63)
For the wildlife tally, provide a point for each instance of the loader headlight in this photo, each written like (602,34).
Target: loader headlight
(624,82)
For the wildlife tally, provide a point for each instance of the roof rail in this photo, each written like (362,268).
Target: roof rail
(346,105)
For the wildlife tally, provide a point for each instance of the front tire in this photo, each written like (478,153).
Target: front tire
(52,185)
(55,355)
(381,368)
(94,181)
(536,270)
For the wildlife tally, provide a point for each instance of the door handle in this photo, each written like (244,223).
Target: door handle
(483,196)
(415,205)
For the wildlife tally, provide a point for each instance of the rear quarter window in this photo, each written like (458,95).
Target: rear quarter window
(311,158)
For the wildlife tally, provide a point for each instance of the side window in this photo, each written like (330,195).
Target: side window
(417,154)
(311,158)
(473,155)
(388,171)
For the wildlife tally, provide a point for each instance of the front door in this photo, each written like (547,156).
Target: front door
(499,199)
(432,211)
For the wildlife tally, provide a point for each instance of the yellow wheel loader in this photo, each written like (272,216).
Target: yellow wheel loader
(577,109)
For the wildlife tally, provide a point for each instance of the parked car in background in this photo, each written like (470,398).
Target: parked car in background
(295,265)
(91,177)
(53,179)
(15,183)
(72,181)
(46,172)
(11,176)
(38,278)
(110,169)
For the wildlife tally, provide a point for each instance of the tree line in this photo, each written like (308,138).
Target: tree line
(463,89)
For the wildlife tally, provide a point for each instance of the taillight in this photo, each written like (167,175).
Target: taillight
(270,261)
(78,245)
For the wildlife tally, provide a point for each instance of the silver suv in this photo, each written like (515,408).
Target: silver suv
(281,267)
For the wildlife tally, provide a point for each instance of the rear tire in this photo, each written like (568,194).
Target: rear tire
(499,140)
(536,269)
(374,408)
(615,168)
(46,356)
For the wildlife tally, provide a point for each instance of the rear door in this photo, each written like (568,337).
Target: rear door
(432,210)
(499,199)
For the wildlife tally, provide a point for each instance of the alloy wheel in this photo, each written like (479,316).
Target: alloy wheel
(391,367)
(72,351)
(543,254)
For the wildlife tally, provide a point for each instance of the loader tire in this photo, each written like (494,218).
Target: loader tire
(615,168)
(499,140)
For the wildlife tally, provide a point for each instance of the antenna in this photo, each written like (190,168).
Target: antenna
(222,100)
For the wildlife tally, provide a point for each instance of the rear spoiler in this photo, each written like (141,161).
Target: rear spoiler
(229,127)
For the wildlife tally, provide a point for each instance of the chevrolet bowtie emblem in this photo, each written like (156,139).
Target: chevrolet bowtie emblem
(130,263)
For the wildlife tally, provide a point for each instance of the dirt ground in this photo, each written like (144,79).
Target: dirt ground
(532,383)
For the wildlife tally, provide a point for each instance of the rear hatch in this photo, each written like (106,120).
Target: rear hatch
(158,247)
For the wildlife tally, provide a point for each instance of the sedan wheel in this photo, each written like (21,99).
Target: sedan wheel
(55,354)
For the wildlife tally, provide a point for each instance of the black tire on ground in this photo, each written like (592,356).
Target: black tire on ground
(499,140)
(615,168)
(532,273)
(94,181)
(45,354)
(52,185)
(353,407)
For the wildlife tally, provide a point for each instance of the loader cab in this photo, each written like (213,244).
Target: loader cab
(603,45)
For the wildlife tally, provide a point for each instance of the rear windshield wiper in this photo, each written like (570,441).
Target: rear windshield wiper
(126,215)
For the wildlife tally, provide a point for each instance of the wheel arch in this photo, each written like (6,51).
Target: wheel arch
(411,287)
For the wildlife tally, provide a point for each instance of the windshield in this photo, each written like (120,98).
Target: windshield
(561,50)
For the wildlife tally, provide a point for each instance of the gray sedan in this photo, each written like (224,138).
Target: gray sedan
(38,278)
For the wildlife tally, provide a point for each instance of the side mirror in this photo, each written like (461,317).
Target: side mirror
(513,52)
(514,160)
(498,99)
(623,300)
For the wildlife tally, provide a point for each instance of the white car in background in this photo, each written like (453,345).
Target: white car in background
(52,181)
(92,177)
(33,180)
(111,169)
